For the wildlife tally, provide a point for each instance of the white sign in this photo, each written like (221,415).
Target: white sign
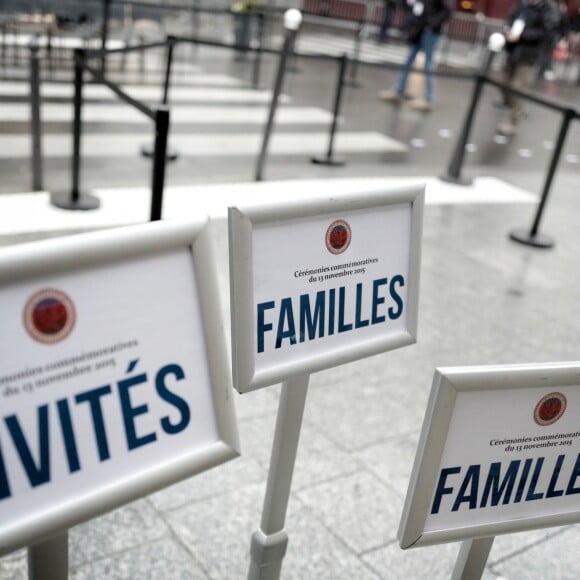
(499,453)
(323,282)
(114,373)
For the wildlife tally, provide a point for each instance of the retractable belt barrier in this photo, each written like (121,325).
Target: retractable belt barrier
(75,200)
(161,115)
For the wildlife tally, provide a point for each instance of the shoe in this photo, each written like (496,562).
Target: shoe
(507,129)
(422,105)
(391,96)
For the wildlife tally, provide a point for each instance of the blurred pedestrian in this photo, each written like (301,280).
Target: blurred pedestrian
(389,8)
(425,23)
(526,28)
(575,21)
(574,30)
(558,19)
(407,15)
(242,11)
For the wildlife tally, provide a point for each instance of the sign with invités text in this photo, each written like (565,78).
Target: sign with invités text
(499,452)
(114,375)
(322,282)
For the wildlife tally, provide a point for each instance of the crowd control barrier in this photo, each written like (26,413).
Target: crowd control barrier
(330,159)
(292,22)
(146,150)
(35,121)
(453,174)
(532,237)
(160,115)
(76,200)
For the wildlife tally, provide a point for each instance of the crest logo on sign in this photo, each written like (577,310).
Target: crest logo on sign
(549,409)
(49,316)
(338,237)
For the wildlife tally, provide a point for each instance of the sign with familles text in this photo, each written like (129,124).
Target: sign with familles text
(322,282)
(111,378)
(499,453)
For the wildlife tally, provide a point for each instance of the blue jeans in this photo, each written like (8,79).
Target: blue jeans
(426,45)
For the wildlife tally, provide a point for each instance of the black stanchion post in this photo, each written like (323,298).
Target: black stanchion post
(330,159)
(453,175)
(146,150)
(195,22)
(159,157)
(77,122)
(35,117)
(258,56)
(105,34)
(49,52)
(3,26)
(17,47)
(75,200)
(533,237)
(352,80)
(168,65)
(141,40)
(292,60)
(292,20)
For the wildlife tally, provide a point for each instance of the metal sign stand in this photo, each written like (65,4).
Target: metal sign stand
(41,522)
(253,231)
(472,559)
(520,393)
(269,542)
(49,560)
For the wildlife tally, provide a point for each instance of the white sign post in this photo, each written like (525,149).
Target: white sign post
(315,284)
(499,452)
(114,377)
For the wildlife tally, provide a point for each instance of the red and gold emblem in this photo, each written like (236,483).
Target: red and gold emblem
(338,236)
(549,409)
(49,316)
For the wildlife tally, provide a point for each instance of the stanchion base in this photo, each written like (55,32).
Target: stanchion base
(457,180)
(331,161)
(353,83)
(537,241)
(83,202)
(170,155)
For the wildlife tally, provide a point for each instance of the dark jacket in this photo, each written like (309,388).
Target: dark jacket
(435,13)
(538,26)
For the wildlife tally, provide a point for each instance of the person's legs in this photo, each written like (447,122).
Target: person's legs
(523,79)
(545,58)
(386,21)
(411,56)
(508,73)
(428,45)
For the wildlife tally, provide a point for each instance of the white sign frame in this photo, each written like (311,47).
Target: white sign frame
(447,383)
(62,255)
(243,219)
